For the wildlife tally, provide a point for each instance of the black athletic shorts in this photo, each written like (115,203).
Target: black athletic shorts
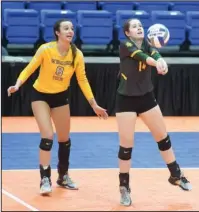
(53,100)
(138,104)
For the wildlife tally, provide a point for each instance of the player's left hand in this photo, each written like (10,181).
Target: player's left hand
(162,67)
(100,112)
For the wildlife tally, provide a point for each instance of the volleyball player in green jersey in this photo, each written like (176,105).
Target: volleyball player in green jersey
(135,98)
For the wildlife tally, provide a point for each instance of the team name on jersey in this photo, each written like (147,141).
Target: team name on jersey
(63,63)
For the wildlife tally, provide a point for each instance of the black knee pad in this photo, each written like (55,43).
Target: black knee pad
(124,153)
(164,144)
(46,144)
(65,145)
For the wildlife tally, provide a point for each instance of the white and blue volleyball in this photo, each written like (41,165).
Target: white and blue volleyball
(158,35)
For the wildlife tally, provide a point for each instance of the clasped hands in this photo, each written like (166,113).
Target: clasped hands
(161,66)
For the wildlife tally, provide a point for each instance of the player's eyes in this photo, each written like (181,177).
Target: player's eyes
(69,28)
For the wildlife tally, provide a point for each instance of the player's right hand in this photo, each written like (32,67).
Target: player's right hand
(12,89)
(161,66)
(100,112)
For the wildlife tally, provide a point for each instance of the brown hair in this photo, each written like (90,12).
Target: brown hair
(56,28)
(127,25)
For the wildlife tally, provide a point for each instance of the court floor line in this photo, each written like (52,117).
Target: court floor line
(19,200)
(24,170)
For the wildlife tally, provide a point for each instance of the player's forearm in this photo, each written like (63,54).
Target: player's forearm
(18,83)
(25,74)
(30,68)
(156,55)
(92,102)
(86,90)
(151,62)
(139,55)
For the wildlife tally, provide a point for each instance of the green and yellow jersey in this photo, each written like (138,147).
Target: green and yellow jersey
(135,74)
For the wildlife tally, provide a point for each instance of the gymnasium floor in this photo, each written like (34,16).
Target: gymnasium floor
(94,167)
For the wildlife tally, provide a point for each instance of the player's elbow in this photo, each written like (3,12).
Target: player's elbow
(82,80)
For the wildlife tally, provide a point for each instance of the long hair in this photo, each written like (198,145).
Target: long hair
(56,28)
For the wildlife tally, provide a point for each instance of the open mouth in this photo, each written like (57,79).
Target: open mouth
(69,36)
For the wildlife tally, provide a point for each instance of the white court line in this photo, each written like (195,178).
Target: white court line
(24,170)
(19,200)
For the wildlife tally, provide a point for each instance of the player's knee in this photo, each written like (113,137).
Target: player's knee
(49,135)
(125,139)
(164,144)
(125,153)
(46,144)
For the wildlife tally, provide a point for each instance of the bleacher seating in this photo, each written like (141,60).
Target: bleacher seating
(180,17)
(193,29)
(44,5)
(185,6)
(114,6)
(151,6)
(175,21)
(18,29)
(12,5)
(95,27)
(80,5)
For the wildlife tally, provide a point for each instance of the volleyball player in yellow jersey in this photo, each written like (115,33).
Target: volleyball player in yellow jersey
(58,61)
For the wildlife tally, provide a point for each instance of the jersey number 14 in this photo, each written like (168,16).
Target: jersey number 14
(142,66)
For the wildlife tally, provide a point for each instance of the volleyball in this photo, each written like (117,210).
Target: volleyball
(158,35)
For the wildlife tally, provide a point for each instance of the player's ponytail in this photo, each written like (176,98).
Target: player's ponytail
(74,51)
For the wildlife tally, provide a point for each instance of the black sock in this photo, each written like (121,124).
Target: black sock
(63,157)
(124,179)
(174,169)
(45,172)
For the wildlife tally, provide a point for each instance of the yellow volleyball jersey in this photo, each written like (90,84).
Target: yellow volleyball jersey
(56,70)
